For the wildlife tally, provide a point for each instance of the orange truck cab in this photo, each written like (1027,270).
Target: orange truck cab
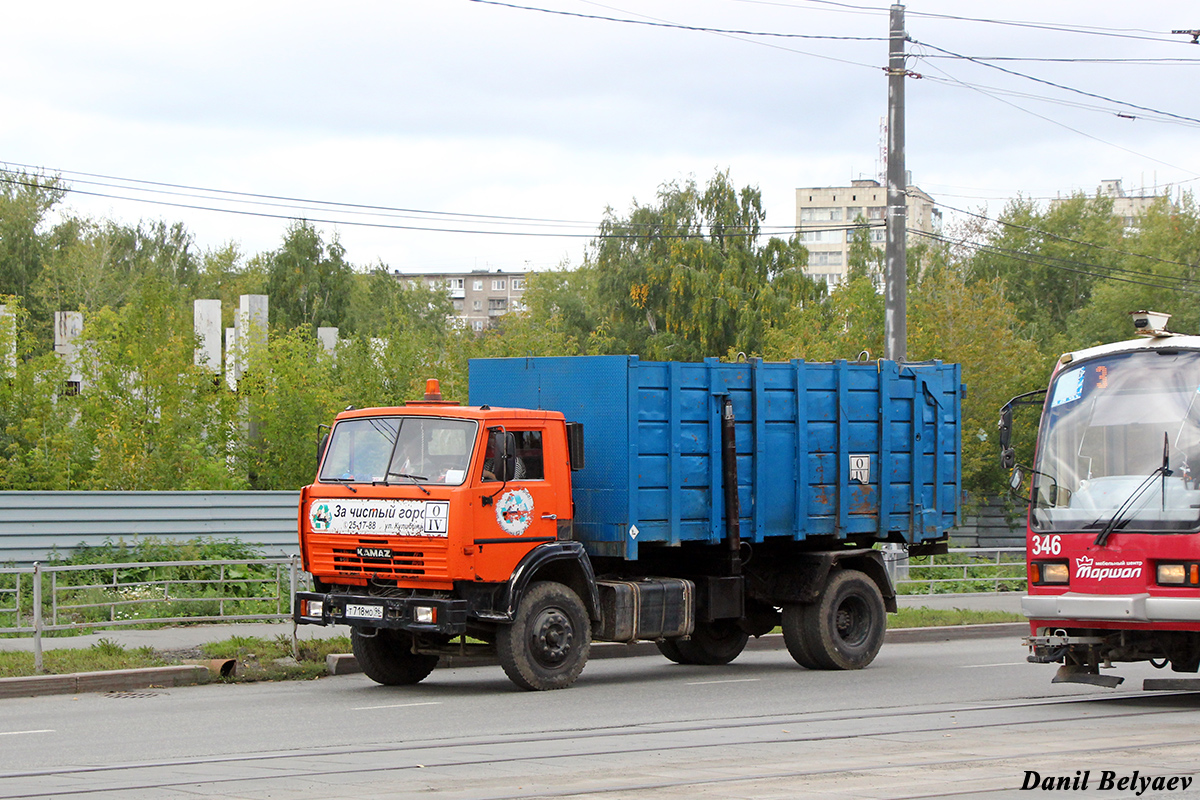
(423,513)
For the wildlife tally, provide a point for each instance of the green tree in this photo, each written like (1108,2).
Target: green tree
(308,281)
(687,277)
(846,323)
(25,204)
(157,421)
(1160,260)
(288,391)
(972,324)
(1048,261)
(384,305)
(42,446)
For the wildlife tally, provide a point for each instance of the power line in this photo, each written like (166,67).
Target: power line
(677,26)
(1140,61)
(728,231)
(1053,263)
(255,197)
(1088,30)
(1062,125)
(1059,237)
(994,92)
(1053,84)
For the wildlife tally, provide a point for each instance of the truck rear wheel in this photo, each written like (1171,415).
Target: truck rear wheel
(843,629)
(712,643)
(547,644)
(793,636)
(387,658)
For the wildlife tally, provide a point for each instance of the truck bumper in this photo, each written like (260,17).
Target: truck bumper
(434,615)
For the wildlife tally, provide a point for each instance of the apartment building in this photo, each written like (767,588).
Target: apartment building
(478,297)
(826,217)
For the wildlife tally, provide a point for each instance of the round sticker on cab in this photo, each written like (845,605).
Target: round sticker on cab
(514,511)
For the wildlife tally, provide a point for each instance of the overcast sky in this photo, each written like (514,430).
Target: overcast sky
(470,108)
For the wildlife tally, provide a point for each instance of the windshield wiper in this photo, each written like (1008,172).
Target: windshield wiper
(413,478)
(1123,509)
(345,481)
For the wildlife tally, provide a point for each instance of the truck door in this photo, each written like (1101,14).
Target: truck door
(516,515)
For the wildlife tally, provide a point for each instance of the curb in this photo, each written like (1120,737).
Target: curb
(118,680)
(345,664)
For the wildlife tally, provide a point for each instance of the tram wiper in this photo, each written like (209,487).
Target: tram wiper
(1118,518)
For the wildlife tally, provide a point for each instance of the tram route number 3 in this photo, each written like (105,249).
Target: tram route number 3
(1047,545)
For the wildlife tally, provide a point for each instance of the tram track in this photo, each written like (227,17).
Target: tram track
(451,762)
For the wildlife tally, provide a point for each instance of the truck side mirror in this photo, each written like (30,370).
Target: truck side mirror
(322,445)
(1008,458)
(504,453)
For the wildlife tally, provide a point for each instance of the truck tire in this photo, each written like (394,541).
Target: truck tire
(793,636)
(843,629)
(547,644)
(712,643)
(387,658)
(670,649)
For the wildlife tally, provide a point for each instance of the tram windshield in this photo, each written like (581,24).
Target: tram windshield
(1120,439)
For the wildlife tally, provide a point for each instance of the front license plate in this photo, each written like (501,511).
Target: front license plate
(364,612)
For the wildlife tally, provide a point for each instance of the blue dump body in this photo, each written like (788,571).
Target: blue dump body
(860,450)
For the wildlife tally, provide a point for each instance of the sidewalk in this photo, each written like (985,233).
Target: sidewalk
(1001,601)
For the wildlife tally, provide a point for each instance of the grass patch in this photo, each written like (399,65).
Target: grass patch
(259,659)
(262,659)
(937,617)
(101,656)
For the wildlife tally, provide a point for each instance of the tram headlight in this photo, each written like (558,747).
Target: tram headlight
(1178,574)
(1049,572)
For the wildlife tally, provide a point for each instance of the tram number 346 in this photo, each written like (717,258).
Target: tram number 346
(1047,545)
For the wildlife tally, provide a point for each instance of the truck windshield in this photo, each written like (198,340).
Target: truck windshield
(399,450)
(1110,422)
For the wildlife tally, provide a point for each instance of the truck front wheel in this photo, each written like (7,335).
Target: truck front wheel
(843,629)
(387,658)
(547,644)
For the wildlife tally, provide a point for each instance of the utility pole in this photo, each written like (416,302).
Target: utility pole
(895,282)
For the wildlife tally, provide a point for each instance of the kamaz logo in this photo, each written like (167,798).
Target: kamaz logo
(1086,568)
(373,552)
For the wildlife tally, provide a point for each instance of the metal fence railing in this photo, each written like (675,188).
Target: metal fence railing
(39,599)
(42,599)
(959,571)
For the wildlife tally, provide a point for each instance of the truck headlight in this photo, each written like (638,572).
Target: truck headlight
(313,608)
(1179,574)
(1052,572)
(425,615)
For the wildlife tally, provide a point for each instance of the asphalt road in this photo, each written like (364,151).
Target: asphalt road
(966,718)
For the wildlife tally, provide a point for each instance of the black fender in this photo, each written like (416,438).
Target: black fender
(565,562)
(803,582)
(871,563)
